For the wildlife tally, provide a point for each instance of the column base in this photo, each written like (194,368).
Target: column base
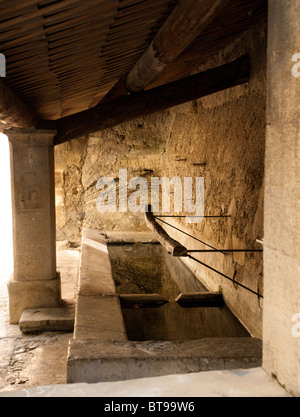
(32,294)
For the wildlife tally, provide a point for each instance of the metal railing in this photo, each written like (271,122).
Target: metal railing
(211,250)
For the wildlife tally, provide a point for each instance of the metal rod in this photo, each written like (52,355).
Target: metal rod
(214,250)
(224,250)
(195,217)
(225,276)
(193,237)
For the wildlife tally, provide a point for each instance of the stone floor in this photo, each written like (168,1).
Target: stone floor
(33,360)
(35,365)
(239,383)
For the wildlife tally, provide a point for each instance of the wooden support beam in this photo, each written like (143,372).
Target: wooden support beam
(142,300)
(172,246)
(200,299)
(185,24)
(126,108)
(13,112)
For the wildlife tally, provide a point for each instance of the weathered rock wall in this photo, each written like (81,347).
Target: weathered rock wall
(220,138)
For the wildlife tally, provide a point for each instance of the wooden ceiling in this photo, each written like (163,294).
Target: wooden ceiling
(64,56)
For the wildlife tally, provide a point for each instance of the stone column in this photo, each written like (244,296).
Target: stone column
(35,282)
(281,310)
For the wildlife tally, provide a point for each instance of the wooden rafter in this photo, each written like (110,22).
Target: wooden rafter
(64,56)
(187,21)
(183,26)
(140,104)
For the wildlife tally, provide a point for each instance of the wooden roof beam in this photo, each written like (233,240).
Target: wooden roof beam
(13,112)
(129,107)
(185,24)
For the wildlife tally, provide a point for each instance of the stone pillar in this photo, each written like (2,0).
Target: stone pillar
(35,282)
(281,310)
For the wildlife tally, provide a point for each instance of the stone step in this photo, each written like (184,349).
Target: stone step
(94,361)
(47,319)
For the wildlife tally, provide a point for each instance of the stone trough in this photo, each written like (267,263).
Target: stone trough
(127,327)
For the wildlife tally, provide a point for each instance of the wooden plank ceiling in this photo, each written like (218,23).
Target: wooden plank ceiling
(64,56)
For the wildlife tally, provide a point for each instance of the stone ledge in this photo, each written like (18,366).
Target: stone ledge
(95,277)
(47,319)
(129,237)
(98,311)
(99,318)
(94,361)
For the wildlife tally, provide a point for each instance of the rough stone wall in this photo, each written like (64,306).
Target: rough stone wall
(220,138)
(138,146)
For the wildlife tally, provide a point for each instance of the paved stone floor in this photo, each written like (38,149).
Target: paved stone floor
(33,360)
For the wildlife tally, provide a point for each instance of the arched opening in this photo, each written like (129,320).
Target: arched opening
(6,245)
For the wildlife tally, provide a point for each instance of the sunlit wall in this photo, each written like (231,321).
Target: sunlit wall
(6,251)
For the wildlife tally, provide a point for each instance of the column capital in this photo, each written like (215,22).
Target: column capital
(34,137)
